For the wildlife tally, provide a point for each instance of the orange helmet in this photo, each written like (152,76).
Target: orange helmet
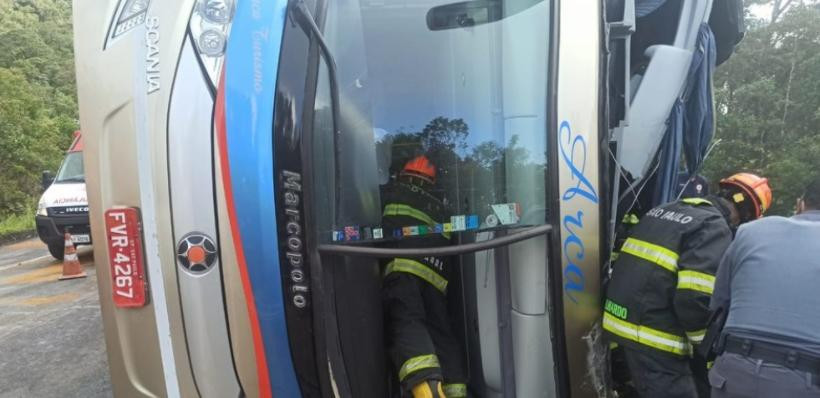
(753,187)
(420,167)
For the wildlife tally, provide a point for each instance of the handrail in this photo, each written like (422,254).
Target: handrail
(441,251)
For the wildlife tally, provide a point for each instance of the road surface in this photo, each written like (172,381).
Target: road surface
(13,254)
(51,338)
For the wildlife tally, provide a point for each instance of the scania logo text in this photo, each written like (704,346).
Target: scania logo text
(152,54)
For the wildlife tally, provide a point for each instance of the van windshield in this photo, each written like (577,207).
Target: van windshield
(72,169)
(471,100)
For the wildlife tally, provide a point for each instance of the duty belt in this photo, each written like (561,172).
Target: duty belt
(772,353)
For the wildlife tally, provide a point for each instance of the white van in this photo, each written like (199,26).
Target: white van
(63,207)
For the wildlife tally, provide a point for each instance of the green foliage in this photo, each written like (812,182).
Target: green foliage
(16,223)
(38,106)
(767,99)
(470,175)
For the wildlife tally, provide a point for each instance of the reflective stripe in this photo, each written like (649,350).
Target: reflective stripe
(697,281)
(650,252)
(696,201)
(697,336)
(396,209)
(455,390)
(630,219)
(646,336)
(418,269)
(418,363)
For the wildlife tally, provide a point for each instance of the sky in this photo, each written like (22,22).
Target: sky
(763,11)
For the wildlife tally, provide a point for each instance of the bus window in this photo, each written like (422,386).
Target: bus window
(472,100)
(465,109)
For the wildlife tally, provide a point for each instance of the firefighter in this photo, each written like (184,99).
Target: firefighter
(427,356)
(657,300)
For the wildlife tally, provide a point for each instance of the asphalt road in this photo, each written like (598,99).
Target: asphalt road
(11,255)
(51,337)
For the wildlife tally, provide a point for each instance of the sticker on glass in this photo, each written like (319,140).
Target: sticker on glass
(507,213)
(459,223)
(472,222)
(351,233)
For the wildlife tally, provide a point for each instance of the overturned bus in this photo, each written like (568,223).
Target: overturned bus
(237,150)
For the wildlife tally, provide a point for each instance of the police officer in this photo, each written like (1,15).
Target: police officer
(768,281)
(423,349)
(657,300)
(696,186)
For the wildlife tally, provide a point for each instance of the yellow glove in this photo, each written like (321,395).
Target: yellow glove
(428,389)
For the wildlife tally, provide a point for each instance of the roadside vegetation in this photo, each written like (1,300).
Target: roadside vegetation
(38,106)
(767,102)
(17,224)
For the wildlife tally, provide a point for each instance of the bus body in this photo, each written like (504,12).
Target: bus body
(236,154)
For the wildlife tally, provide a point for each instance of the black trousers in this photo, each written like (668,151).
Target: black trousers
(658,375)
(418,325)
(700,373)
(738,376)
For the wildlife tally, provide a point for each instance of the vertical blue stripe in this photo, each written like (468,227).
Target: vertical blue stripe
(251,69)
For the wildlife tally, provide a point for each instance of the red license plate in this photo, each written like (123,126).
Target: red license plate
(122,226)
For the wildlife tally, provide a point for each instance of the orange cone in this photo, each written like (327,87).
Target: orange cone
(71,264)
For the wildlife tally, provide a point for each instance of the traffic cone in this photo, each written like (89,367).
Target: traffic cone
(71,264)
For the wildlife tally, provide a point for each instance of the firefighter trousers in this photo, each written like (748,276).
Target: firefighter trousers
(657,375)
(420,340)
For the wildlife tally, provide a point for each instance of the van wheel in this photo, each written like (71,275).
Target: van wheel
(57,250)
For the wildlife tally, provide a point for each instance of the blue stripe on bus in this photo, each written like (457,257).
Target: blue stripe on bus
(252,63)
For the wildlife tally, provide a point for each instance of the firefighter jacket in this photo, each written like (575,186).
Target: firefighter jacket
(658,297)
(409,207)
(420,337)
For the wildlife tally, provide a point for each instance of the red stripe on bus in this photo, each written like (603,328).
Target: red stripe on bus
(258,345)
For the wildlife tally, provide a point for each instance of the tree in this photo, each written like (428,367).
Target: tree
(38,107)
(767,98)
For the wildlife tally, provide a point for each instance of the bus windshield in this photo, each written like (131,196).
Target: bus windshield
(72,169)
(459,112)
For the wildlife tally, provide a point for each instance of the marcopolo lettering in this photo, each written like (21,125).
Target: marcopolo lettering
(294,252)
